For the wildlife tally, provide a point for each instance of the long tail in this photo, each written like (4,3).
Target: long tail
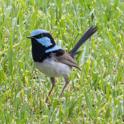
(83,39)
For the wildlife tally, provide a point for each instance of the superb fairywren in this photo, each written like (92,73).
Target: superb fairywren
(51,59)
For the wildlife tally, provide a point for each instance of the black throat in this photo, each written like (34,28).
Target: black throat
(38,51)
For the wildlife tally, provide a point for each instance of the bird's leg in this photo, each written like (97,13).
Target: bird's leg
(65,85)
(53,84)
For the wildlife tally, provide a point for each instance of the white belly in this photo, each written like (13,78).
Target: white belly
(52,68)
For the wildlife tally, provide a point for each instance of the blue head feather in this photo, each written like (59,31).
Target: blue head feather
(54,48)
(45,41)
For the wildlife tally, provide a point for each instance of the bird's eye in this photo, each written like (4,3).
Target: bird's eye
(42,35)
(38,36)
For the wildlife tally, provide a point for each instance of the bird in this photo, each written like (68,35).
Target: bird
(53,60)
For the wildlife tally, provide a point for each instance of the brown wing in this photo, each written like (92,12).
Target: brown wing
(66,59)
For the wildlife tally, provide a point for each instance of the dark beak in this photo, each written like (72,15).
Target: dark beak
(31,37)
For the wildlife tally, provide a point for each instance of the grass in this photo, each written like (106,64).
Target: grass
(95,94)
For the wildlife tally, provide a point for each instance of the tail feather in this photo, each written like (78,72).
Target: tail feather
(83,39)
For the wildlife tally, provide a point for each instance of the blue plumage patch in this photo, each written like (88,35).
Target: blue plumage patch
(45,41)
(54,48)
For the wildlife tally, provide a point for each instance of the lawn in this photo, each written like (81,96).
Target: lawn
(95,94)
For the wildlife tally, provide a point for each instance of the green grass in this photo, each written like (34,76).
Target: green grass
(95,94)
